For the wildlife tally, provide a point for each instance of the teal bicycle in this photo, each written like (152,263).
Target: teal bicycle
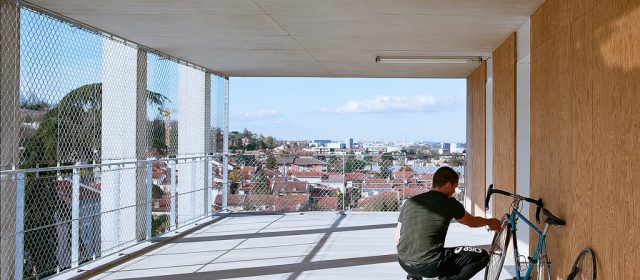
(584,267)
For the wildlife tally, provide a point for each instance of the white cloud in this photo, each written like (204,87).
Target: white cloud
(387,104)
(261,114)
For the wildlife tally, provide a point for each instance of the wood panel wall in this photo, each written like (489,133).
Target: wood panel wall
(504,123)
(585,130)
(476,139)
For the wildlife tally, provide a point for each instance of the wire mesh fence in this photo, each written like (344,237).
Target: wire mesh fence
(267,182)
(70,215)
(104,143)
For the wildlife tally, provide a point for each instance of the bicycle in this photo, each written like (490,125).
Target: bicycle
(584,267)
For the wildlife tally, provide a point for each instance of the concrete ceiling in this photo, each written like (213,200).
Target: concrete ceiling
(313,38)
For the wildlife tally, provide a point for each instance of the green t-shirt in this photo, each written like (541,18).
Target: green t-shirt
(425,220)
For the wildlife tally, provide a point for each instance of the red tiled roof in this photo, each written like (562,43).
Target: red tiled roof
(403,174)
(353,176)
(307,174)
(378,184)
(408,192)
(308,161)
(247,171)
(290,186)
(385,201)
(327,203)
(334,178)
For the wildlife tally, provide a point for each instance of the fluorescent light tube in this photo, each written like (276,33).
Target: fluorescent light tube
(428,59)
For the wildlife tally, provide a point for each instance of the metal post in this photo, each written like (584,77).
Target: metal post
(193,189)
(173,197)
(19,260)
(148,200)
(75,217)
(344,183)
(116,206)
(207,188)
(225,151)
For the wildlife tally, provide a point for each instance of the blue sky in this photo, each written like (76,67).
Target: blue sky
(339,108)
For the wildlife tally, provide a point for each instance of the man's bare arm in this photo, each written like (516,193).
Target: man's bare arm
(473,221)
(397,237)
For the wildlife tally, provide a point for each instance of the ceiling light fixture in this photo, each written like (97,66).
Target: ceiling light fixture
(428,59)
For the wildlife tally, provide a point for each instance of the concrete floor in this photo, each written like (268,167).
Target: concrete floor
(288,246)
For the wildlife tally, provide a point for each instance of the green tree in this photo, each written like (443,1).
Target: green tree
(76,123)
(246,160)
(156,192)
(353,164)
(385,166)
(261,184)
(158,146)
(270,142)
(271,162)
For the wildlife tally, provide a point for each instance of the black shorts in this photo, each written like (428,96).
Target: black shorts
(461,262)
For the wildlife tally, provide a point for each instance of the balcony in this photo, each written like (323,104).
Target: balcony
(115,160)
(313,245)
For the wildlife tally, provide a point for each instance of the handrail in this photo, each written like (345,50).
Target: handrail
(94,165)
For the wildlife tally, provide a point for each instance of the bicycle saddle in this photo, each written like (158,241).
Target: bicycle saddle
(551,219)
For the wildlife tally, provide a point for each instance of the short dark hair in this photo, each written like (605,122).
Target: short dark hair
(445,175)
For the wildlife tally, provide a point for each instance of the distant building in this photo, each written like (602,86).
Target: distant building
(319,143)
(336,145)
(445,148)
(295,164)
(348,143)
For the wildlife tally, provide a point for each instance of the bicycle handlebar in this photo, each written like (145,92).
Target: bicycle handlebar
(538,202)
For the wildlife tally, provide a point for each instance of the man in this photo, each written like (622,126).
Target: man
(422,228)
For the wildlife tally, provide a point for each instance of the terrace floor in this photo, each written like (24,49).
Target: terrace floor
(290,246)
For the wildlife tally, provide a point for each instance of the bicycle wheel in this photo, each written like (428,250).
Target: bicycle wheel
(584,267)
(498,251)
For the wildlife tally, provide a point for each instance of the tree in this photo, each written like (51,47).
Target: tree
(270,142)
(385,163)
(246,160)
(156,192)
(271,162)
(158,146)
(456,161)
(68,133)
(353,164)
(262,185)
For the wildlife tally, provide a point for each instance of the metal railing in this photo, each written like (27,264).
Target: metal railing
(70,215)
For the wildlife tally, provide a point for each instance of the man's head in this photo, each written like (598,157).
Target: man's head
(445,180)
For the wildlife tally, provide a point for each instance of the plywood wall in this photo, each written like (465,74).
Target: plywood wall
(585,130)
(476,139)
(504,123)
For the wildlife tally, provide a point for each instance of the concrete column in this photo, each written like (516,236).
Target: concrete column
(191,142)
(9,130)
(119,143)
(141,144)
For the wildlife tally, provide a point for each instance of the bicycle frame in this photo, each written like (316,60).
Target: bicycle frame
(541,248)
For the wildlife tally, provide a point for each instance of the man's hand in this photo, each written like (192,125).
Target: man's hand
(494,224)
